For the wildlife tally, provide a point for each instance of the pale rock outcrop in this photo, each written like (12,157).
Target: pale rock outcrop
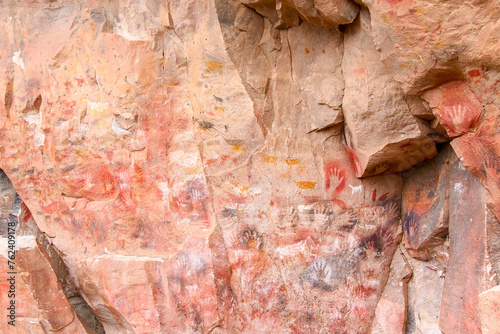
(459,306)
(448,231)
(384,135)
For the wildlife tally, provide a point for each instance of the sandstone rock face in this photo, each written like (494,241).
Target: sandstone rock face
(42,305)
(489,302)
(427,43)
(289,13)
(256,166)
(426,204)
(374,105)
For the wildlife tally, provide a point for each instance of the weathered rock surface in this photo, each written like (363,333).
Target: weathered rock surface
(427,43)
(41,303)
(228,166)
(426,204)
(384,135)
(489,303)
(289,13)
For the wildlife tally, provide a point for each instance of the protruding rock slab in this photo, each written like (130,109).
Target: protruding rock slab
(390,315)
(426,43)
(316,56)
(425,291)
(288,13)
(142,294)
(425,209)
(380,128)
(465,272)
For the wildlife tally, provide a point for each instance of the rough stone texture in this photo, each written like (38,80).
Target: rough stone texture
(456,107)
(384,135)
(288,13)
(425,291)
(426,43)
(227,166)
(391,312)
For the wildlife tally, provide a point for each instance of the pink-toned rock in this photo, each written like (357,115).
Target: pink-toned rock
(455,106)
(425,209)
(380,128)
(489,307)
(392,306)
(153,296)
(419,107)
(459,306)
(480,151)
(492,277)
(40,303)
(425,291)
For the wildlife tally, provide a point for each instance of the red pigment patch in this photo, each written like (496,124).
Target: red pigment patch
(339,203)
(390,2)
(80,81)
(474,73)
(52,208)
(355,161)
(383,197)
(25,213)
(95,183)
(360,71)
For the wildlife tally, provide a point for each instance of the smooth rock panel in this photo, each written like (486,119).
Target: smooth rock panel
(385,137)
(459,305)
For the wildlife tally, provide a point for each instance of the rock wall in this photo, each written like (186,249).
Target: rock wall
(256,166)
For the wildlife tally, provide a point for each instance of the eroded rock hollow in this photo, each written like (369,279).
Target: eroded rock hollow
(253,166)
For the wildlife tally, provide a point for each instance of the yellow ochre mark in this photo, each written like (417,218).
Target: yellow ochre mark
(307,50)
(219,110)
(214,66)
(268,158)
(243,190)
(238,148)
(292,161)
(192,170)
(305,184)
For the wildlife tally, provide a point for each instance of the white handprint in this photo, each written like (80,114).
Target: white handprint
(335,178)
(457,115)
